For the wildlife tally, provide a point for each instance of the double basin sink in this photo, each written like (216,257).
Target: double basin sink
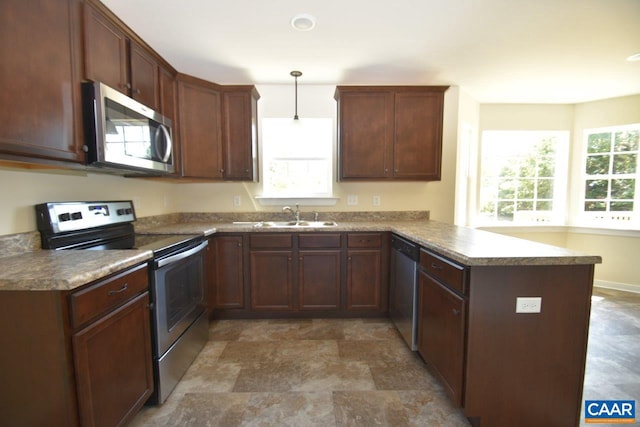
(295,224)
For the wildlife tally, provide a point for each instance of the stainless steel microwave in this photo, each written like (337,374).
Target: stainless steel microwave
(124,136)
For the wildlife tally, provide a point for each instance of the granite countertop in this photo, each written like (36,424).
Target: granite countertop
(66,270)
(465,245)
(45,270)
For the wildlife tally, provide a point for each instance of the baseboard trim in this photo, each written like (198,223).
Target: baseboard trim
(627,287)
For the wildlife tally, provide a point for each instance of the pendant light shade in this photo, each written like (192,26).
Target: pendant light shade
(296,74)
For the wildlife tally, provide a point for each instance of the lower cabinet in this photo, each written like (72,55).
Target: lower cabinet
(113,365)
(441,333)
(306,274)
(227,280)
(80,357)
(366,284)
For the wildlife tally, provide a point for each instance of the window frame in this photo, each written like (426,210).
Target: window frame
(560,178)
(608,219)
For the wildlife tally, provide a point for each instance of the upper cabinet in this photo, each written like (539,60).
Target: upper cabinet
(114,57)
(240,132)
(40,106)
(199,128)
(390,132)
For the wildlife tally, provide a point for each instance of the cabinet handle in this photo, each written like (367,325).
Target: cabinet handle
(138,91)
(122,289)
(436,266)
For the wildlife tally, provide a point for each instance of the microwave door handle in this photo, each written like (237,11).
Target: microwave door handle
(181,255)
(167,152)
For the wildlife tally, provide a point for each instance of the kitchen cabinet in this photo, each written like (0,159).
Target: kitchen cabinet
(40,107)
(482,350)
(199,128)
(319,271)
(240,132)
(112,56)
(271,265)
(168,108)
(227,288)
(390,132)
(441,325)
(367,273)
(307,274)
(80,357)
(315,258)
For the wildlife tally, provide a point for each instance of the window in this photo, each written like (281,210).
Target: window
(523,177)
(611,176)
(297,157)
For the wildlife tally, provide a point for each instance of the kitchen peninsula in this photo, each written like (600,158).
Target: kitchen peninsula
(499,350)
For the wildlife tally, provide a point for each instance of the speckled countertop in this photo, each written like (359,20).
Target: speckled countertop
(36,269)
(44,270)
(468,246)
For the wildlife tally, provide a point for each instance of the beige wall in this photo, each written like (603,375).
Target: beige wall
(21,189)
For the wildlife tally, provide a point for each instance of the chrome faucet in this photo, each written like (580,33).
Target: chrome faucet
(296,213)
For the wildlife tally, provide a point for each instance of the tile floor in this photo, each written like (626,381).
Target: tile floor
(358,372)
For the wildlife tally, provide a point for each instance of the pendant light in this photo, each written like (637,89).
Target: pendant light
(296,74)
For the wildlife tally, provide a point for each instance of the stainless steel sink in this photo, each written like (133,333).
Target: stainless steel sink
(295,224)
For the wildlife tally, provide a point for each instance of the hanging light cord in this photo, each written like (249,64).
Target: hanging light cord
(296,74)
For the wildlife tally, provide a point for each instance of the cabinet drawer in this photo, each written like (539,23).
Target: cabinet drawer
(106,295)
(449,273)
(319,241)
(364,240)
(271,240)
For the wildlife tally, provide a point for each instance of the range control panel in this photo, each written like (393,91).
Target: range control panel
(71,216)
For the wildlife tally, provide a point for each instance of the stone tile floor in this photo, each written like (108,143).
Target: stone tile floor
(358,372)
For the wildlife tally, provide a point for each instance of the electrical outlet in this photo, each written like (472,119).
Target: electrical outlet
(528,304)
(352,199)
(237,201)
(376,200)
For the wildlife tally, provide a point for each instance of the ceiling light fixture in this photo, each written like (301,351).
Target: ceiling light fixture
(303,22)
(634,57)
(296,74)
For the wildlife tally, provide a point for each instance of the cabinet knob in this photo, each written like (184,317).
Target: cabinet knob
(386,170)
(127,85)
(221,170)
(239,245)
(456,312)
(137,91)
(436,266)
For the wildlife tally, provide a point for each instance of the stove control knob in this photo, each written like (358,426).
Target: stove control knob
(64,217)
(76,215)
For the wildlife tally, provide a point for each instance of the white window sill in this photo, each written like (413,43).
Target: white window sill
(303,201)
(562,229)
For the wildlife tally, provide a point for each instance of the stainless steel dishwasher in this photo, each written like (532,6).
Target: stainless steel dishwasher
(403,303)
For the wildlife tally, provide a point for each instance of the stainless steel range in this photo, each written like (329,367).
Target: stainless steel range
(176,276)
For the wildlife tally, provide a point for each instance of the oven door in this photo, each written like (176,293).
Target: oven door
(178,288)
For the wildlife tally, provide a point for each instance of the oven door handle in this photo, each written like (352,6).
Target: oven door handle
(182,255)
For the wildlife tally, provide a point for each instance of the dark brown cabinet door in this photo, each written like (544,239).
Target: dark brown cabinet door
(319,279)
(144,77)
(390,132)
(113,365)
(199,129)
(441,329)
(271,280)
(417,150)
(365,134)
(228,286)
(40,106)
(364,280)
(105,51)
(240,132)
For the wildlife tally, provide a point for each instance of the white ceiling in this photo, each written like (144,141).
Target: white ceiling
(521,51)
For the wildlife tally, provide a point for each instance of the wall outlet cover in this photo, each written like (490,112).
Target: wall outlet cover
(528,304)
